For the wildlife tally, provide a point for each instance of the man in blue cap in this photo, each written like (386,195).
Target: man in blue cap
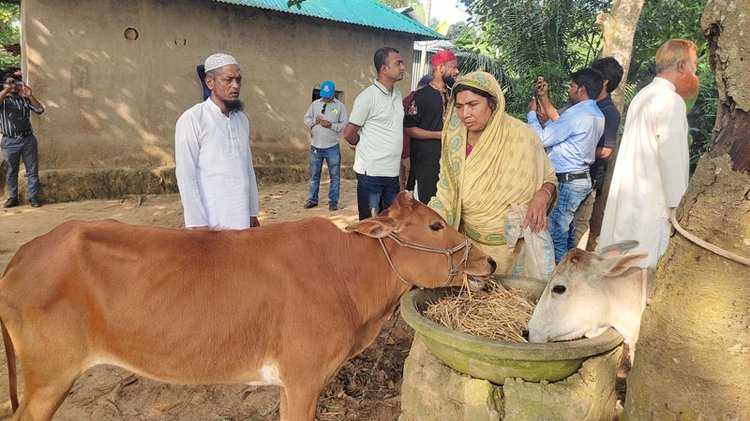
(326,117)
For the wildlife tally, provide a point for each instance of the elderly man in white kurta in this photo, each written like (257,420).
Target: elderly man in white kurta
(651,172)
(212,154)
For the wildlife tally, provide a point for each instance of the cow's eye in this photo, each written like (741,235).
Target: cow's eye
(558,289)
(436,226)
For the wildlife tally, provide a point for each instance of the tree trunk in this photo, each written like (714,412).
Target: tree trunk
(618,28)
(694,349)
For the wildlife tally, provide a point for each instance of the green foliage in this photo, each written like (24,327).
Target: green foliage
(295,3)
(8,23)
(475,54)
(396,4)
(469,61)
(550,38)
(664,19)
(661,20)
(702,115)
(457,30)
(9,34)
(553,38)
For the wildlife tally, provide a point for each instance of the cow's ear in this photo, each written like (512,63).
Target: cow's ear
(618,265)
(617,249)
(377,227)
(405,198)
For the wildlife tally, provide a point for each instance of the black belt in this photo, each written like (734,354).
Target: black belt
(20,135)
(561,177)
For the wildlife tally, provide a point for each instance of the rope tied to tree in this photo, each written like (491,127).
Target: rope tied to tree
(706,245)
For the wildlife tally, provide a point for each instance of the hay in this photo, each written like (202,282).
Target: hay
(495,313)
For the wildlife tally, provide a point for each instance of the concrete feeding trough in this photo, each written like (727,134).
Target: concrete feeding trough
(496,360)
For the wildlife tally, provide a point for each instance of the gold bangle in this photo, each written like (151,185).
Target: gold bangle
(548,192)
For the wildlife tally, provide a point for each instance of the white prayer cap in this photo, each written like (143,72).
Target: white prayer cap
(217,60)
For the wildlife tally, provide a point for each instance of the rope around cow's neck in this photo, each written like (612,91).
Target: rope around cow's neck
(452,271)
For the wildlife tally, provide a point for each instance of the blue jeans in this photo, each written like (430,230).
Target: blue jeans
(375,193)
(560,221)
(13,151)
(332,156)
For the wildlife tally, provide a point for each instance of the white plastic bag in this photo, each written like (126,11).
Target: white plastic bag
(536,259)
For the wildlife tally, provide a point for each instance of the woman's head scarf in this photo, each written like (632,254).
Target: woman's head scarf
(507,165)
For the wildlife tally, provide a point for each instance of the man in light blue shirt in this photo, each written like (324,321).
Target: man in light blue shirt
(570,142)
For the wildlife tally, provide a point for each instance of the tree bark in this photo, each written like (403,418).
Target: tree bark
(618,28)
(694,347)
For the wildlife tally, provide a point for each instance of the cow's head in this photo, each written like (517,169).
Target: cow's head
(576,302)
(408,229)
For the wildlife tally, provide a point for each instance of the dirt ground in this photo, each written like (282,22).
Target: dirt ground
(367,387)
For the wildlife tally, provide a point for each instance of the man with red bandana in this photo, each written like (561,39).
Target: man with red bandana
(651,172)
(424,124)
(403,175)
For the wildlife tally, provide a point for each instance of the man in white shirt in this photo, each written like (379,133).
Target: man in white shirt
(651,172)
(376,127)
(214,171)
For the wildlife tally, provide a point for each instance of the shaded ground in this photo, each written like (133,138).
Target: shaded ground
(367,387)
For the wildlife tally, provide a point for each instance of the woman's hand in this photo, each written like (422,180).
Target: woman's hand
(536,215)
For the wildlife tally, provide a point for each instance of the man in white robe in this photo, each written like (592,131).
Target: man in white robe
(214,165)
(651,172)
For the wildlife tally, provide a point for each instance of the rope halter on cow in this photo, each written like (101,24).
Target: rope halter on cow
(452,270)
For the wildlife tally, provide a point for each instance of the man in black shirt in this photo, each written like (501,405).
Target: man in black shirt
(18,142)
(612,72)
(424,124)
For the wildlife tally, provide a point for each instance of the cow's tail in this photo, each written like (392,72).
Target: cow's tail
(10,355)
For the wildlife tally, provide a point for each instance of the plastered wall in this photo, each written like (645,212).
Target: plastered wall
(112,102)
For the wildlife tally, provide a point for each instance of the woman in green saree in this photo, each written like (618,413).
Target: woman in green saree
(490,161)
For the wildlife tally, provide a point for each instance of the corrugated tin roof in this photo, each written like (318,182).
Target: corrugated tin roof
(356,12)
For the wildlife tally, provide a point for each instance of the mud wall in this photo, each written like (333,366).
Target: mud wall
(112,102)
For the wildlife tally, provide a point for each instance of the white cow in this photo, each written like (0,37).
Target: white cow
(588,293)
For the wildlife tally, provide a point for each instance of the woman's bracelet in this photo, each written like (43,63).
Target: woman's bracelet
(547,191)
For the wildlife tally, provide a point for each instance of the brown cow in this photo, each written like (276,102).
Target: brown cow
(286,304)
